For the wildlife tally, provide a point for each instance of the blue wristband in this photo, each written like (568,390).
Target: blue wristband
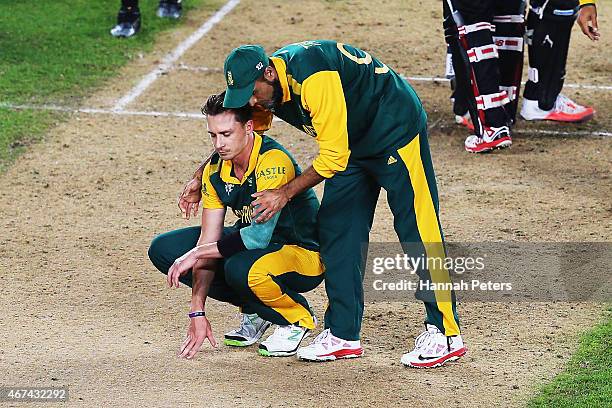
(196,314)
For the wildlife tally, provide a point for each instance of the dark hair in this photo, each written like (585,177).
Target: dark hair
(214,106)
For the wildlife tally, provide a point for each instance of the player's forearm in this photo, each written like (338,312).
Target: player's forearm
(208,251)
(303,182)
(202,278)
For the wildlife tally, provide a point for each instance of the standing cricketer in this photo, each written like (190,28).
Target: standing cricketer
(260,267)
(372,132)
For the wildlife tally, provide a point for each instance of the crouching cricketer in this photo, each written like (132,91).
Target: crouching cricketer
(260,267)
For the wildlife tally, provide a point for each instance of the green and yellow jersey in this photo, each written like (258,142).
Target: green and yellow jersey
(352,103)
(270,167)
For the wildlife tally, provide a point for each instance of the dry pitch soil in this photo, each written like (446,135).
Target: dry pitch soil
(81,305)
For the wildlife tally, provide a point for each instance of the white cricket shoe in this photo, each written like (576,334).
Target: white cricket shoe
(432,349)
(327,347)
(284,341)
(565,110)
(252,327)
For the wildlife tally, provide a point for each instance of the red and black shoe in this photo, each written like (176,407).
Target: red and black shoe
(493,138)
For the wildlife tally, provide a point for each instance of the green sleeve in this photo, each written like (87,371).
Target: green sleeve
(258,235)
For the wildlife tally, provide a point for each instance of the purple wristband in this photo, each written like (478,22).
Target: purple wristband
(196,314)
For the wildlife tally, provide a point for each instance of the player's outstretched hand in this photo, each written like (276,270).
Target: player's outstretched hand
(189,199)
(199,330)
(587,20)
(267,203)
(180,267)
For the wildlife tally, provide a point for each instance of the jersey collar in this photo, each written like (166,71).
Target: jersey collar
(281,70)
(226,165)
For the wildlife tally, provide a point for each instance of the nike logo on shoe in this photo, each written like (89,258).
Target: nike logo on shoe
(422,358)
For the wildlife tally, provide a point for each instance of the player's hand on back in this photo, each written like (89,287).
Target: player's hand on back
(198,331)
(189,199)
(267,203)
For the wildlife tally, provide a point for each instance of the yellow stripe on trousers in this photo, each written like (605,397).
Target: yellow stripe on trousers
(429,230)
(290,258)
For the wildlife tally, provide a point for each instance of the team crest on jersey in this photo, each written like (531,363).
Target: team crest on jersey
(230,78)
(228,188)
(310,130)
(308,44)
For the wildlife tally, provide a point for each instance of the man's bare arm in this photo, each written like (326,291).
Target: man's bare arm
(203,272)
(309,178)
(212,230)
(203,275)
(587,20)
(199,327)
(200,169)
(189,199)
(269,202)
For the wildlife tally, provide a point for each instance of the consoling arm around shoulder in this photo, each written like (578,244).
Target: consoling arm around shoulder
(323,97)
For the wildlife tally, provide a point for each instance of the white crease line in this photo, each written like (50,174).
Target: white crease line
(578,86)
(199,116)
(561,133)
(184,67)
(539,131)
(190,115)
(173,56)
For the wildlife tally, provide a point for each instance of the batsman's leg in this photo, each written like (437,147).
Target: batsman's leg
(509,22)
(549,27)
(469,34)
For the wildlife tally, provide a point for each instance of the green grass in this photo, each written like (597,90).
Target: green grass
(587,380)
(57,51)
(20,128)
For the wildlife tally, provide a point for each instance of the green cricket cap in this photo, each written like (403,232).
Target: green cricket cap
(243,66)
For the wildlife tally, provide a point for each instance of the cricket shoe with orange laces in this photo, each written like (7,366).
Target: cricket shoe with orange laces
(565,110)
(465,120)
